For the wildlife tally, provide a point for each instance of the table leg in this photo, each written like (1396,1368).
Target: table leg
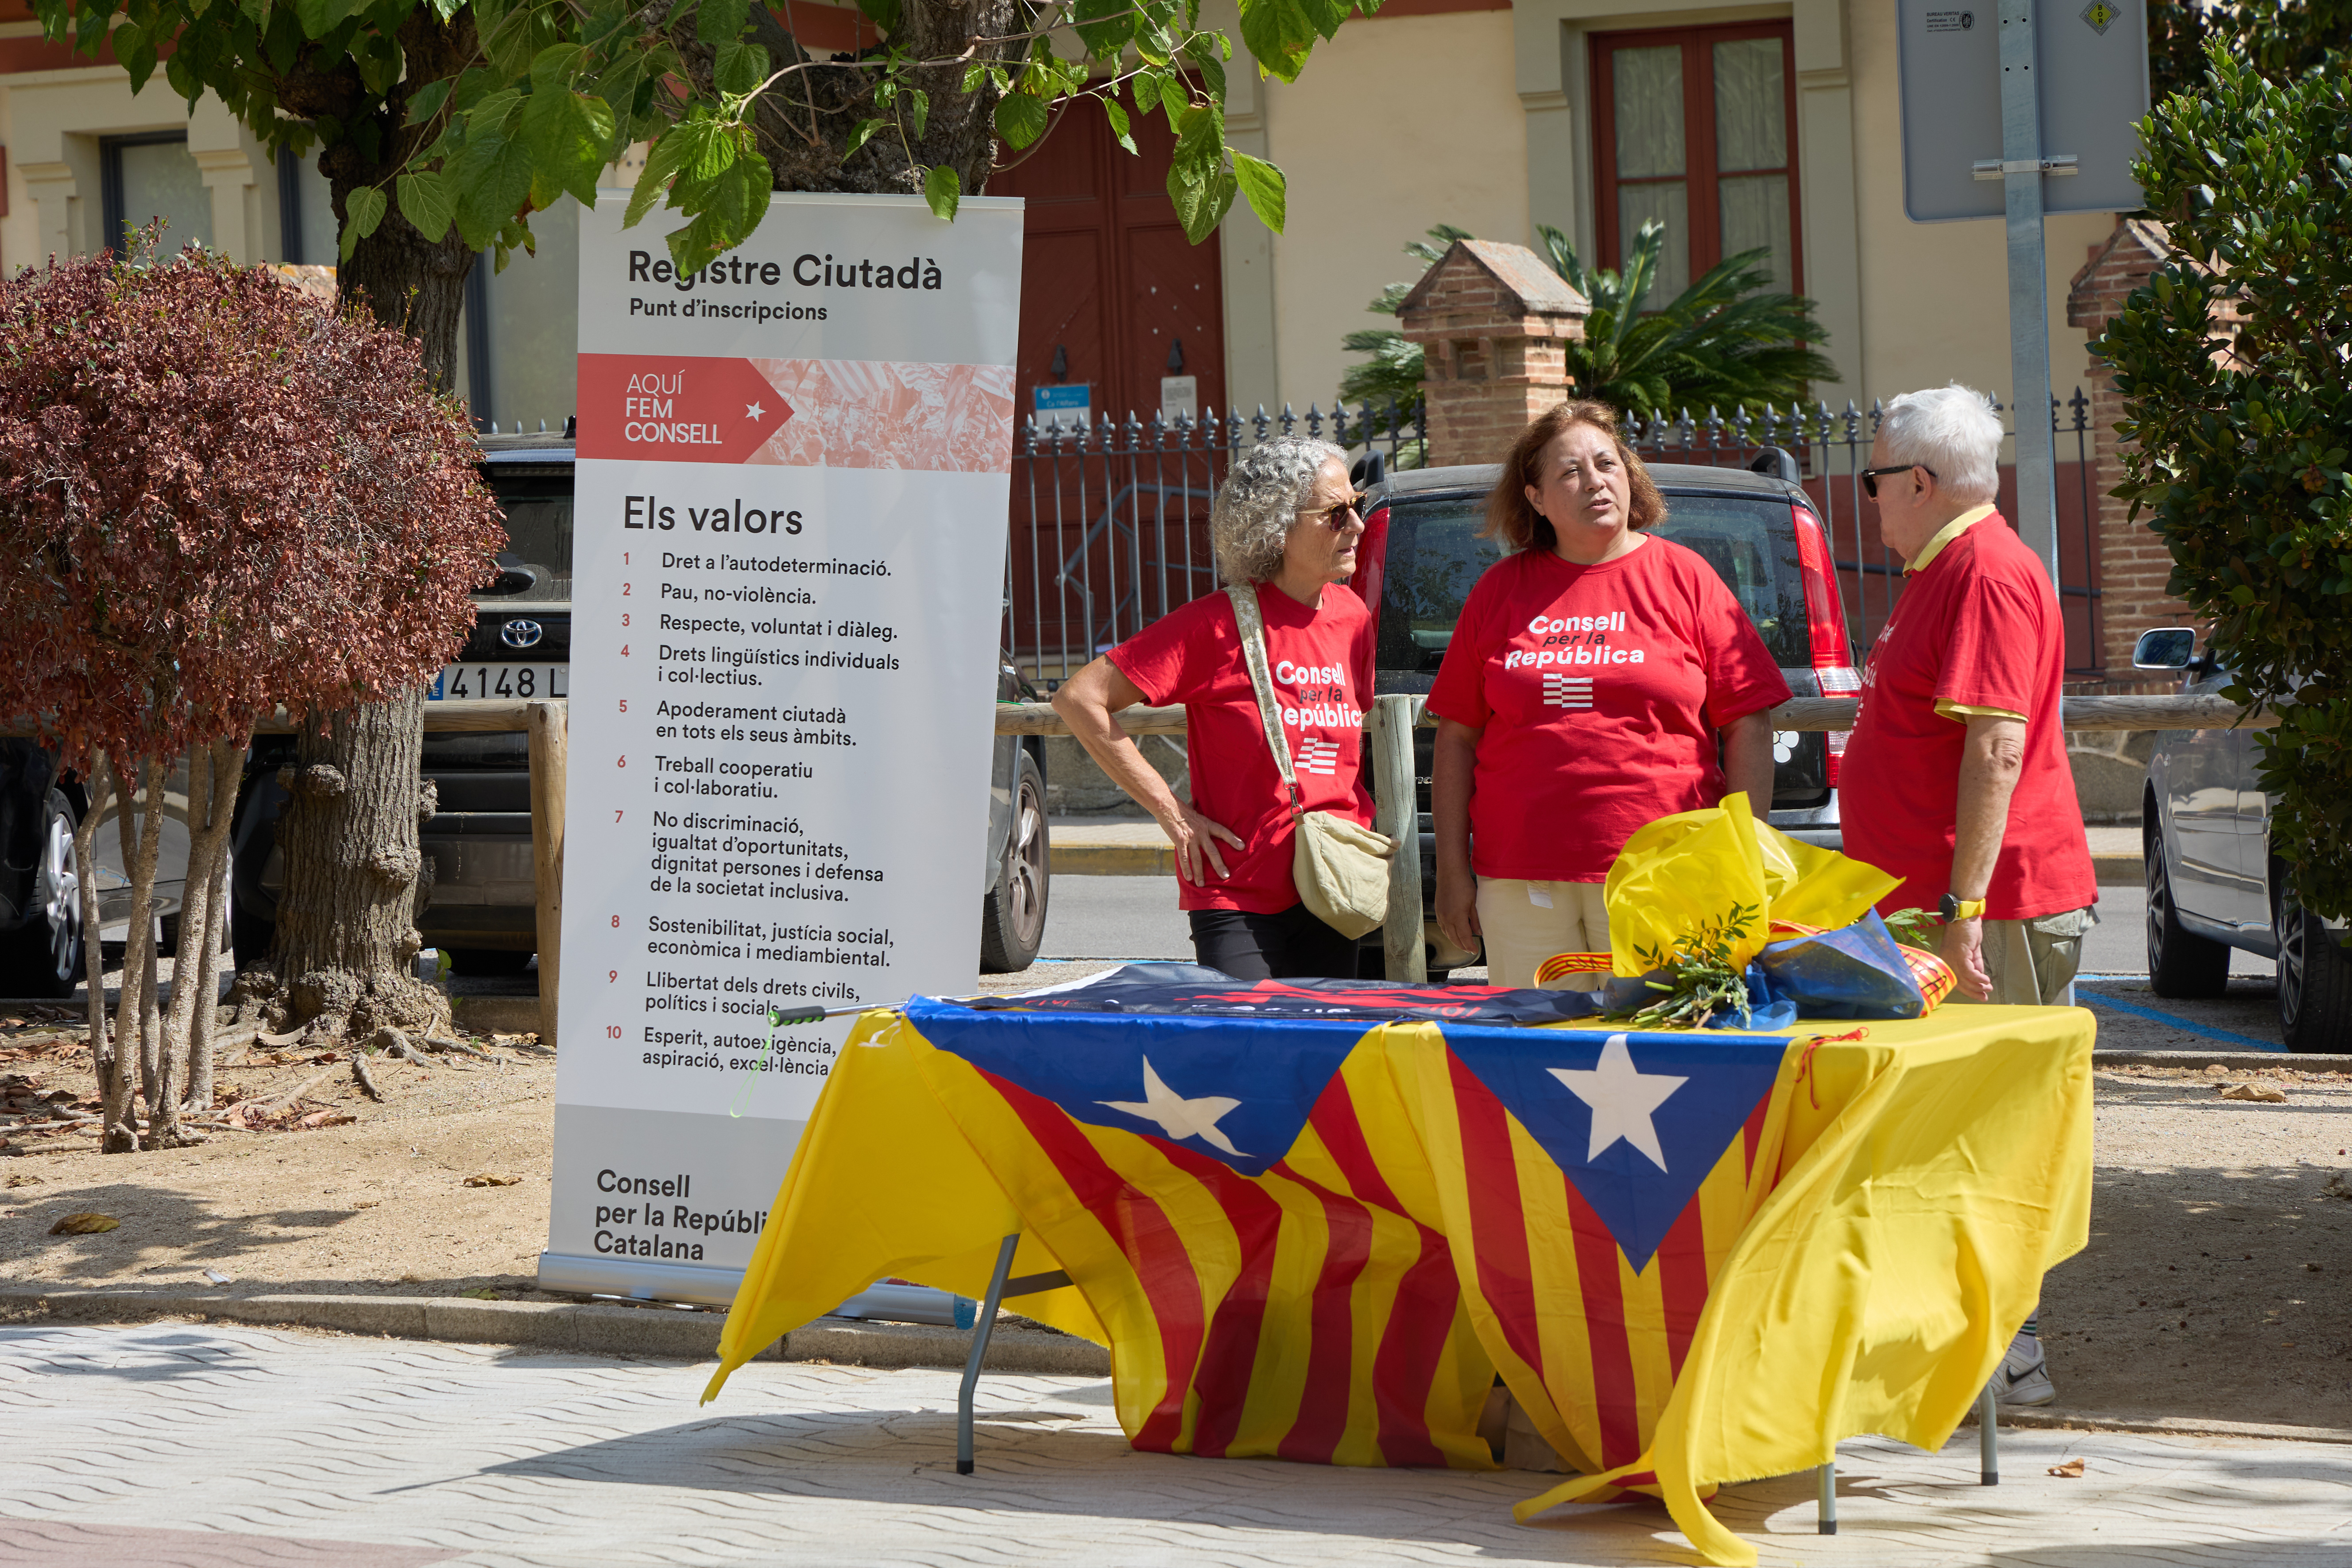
(1988,1439)
(980,1334)
(1825,1501)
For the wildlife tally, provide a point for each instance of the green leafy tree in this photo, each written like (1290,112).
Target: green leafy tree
(2278,39)
(443,126)
(2231,360)
(1722,342)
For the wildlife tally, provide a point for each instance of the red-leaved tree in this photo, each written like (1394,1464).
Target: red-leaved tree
(216,497)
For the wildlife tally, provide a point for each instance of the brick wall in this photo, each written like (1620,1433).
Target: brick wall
(2134,564)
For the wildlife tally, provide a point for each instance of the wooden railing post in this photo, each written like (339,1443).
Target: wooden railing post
(548,728)
(1396,811)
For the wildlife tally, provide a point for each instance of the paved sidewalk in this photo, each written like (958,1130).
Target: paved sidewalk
(173,1445)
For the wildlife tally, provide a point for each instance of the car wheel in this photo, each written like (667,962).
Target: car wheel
(1012,915)
(2180,962)
(43,957)
(2314,982)
(488,961)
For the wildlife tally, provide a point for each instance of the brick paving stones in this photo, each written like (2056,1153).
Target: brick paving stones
(210,1446)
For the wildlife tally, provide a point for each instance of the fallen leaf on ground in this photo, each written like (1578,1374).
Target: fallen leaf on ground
(483,1294)
(367,1203)
(2072,1469)
(2262,1091)
(24,1181)
(326,1119)
(487,1179)
(84,1225)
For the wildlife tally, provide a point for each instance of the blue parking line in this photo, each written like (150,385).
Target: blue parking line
(2095,999)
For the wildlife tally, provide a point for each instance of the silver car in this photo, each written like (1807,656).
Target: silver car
(2214,882)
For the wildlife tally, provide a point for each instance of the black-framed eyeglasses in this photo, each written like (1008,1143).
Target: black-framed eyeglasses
(1335,517)
(1869,475)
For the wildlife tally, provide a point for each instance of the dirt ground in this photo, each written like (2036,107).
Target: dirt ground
(379,1204)
(2217,1285)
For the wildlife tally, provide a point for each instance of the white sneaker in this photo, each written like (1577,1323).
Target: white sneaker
(2024,1375)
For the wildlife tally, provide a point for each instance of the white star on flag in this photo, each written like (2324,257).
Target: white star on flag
(1180,1118)
(755,412)
(1622,1099)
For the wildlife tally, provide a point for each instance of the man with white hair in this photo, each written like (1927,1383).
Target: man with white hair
(1956,779)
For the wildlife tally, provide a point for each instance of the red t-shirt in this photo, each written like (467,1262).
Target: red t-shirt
(1979,627)
(1321,661)
(1599,690)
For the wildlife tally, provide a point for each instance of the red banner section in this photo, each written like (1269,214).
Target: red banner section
(798,413)
(673,409)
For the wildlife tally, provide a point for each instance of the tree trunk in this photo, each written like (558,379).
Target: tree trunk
(107,1058)
(226,769)
(804,120)
(347,919)
(120,1135)
(183,1073)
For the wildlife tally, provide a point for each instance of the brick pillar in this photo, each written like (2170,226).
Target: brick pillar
(2134,565)
(1492,321)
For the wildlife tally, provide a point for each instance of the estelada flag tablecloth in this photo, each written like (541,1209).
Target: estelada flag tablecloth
(1692,1258)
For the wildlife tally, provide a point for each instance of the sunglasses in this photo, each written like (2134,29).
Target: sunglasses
(1335,517)
(1869,477)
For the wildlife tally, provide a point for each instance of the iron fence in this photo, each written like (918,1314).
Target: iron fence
(1109,520)
(1832,448)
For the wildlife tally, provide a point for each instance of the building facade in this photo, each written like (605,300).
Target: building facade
(1776,125)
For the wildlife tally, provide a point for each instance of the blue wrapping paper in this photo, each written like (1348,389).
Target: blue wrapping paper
(1855,972)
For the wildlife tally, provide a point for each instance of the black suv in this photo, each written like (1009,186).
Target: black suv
(483,906)
(1756,527)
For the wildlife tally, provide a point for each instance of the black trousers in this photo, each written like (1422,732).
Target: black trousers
(1292,944)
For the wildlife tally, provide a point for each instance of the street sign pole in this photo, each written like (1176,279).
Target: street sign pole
(2022,173)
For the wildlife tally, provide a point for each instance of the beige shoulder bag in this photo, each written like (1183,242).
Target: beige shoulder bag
(1341,869)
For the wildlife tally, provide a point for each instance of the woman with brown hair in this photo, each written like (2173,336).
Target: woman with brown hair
(1592,675)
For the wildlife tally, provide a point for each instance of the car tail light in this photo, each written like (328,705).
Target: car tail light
(1825,617)
(1371,559)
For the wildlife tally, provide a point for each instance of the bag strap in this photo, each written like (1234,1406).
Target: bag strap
(1252,624)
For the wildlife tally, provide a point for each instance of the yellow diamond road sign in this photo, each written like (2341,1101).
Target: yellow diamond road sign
(2100,14)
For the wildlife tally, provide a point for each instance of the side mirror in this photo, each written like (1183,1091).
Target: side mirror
(2171,648)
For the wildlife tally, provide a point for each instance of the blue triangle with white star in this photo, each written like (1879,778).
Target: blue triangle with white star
(1636,1121)
(1238,1091)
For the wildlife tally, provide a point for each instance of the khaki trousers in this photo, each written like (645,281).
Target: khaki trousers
(1526,921)
(2031,963)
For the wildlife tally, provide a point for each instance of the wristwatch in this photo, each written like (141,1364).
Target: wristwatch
(1953,907)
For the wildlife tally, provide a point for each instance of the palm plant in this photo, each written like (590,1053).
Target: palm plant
(1721,342)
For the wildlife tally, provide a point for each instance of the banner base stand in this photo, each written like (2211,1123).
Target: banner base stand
(638,1281)
(716,1288)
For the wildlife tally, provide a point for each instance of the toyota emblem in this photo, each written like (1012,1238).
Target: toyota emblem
(522,633)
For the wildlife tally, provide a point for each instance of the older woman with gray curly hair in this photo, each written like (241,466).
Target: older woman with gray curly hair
(1284,527)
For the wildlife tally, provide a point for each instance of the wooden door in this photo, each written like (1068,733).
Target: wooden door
(1107,538)
(1106,274)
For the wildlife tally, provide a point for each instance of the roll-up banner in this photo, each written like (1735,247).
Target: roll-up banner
(788,552)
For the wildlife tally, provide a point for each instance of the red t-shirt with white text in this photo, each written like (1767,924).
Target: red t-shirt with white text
(1599,690)
(1321,661)
(1979,627)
